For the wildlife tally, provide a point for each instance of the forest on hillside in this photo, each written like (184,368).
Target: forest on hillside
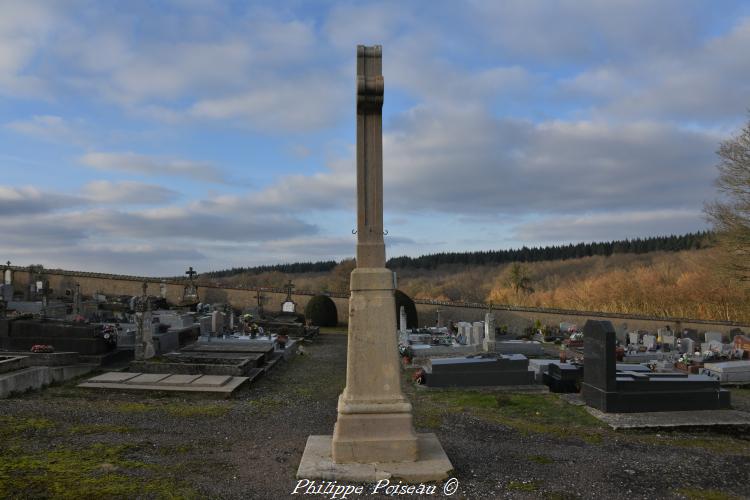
(682,283)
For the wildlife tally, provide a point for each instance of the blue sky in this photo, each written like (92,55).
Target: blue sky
(144,137)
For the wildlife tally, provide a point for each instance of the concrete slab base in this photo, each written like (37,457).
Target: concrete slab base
(215,384)
(667,419)
(432,465)
(36,377)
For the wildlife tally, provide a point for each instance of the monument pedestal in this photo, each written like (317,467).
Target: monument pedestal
(432,464)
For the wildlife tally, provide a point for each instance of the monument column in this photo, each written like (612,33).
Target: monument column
(374,418)
(374,435)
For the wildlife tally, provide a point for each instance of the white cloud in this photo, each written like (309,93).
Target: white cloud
(151,165)
(610,226)
(127,192)
(50,128)
(31,200)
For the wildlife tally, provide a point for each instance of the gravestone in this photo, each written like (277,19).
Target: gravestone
(511,369)
(691,333)
(633,338)
(402,319)
(649,341)
(7,292)
(144,343)
(374,423)
(289,306)
(217,322)
(668,340)
(686,346)
(477,332)
(632,392)
(713,337)
(489,332)
(204,322)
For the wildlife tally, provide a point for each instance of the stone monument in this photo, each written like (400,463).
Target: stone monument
(402,319)
(289,306)
(489,332)
(144,342)
(374,435)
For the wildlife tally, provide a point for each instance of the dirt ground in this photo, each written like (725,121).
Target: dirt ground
(66,442)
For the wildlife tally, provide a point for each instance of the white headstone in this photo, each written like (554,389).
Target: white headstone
(668,340)
(687,346)
(402,319)
(713,336)
(649,341)
(477,332)
(217,322)
(633,337)
(8,277)
(489,332)
(288,307)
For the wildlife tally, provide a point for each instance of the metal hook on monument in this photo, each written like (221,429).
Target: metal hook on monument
(385,232)
(354,231)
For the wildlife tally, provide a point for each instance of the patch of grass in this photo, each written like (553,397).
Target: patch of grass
(541,459)
(523,486)
(177,409)
(267,404)
(132,407)
(701,494)
(527,413)
(100,429)
(196,410)
(100,471)
(13,426)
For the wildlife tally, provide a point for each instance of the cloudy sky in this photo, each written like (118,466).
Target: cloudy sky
(144,137)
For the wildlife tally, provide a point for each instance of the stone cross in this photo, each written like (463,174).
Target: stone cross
(288,288)
(191,273)
(374,435)
(374,417)
(261,301)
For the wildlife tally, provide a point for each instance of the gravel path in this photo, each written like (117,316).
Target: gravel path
(250,446)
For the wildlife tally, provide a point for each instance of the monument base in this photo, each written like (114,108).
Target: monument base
(432,464)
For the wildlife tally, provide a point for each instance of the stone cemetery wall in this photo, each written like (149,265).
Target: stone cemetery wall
(516,318)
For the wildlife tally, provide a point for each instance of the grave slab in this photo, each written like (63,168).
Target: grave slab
(114,377)
(670,419)
(178,379)
(210,384)
(147,378)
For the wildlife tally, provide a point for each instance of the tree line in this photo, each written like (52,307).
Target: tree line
(671,243)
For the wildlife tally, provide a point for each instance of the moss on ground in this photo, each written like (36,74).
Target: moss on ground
(701,494)
(100,429)
(527,413)
(11,426)
(98,471)
(177,409)
(523,486)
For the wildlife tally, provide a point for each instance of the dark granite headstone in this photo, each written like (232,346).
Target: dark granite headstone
(599,340)
(611,391)
(22,334)
(690,333)
(512,369)
(734,332)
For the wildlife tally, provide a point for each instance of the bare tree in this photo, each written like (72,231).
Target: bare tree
(731,215)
